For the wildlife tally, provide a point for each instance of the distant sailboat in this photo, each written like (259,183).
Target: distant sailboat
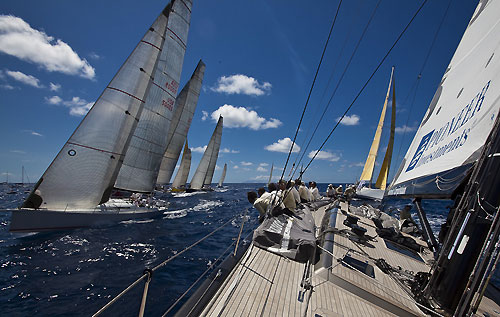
(180,179)
(223,176)
(203,176)
(185,107)
(366,176)
(116,144)
(270,174)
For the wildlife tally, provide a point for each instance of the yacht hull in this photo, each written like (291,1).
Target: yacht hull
(31,220)
(370,193)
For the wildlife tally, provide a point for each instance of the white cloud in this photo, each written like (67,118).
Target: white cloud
(404,129)
(324,155)
(358,164)
(23,78)
(240,117)
(77,106)
(32,132)
(19,39)
(226,150)
(199,149)
(261,169)
(94,56)
(350,120)
(54,87)
(236,167)
(241,84)
(246,163)
(263,164)
(205,116)
(17,152)
(7,87)
(283,145)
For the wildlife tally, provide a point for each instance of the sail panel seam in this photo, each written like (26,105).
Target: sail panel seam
(164,88)
(126,93)
(151,44)
(180,40)
(94,148)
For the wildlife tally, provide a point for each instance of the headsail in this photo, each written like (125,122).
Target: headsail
(205,170)
(180,179)
(460,116)
(143,157)
(185,107)
(83,173)
(223,176)
(367,173)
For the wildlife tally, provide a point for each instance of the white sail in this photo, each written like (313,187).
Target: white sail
(271,174)
(143,157)
(205,170)
(83,173)
(185,107)
(180,179)
(223,176)
(461,114)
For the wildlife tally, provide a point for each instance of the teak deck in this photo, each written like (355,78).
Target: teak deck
(266,284)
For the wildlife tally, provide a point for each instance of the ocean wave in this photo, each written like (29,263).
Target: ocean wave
(207,205)
(137,221)
(175,214)
(180,195)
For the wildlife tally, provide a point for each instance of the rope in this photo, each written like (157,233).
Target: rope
(366,83)
(310,90)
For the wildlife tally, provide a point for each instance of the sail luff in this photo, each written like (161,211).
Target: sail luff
(84,171)
(386,165)
(183,172)
(142,160)
(185,107)
(460,116)
(223,176)
(202,171)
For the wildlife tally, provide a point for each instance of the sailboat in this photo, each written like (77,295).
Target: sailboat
(180,180)
(118,144)
(203,176)
(185,107)
(377,193)
(223,176)
(270,174)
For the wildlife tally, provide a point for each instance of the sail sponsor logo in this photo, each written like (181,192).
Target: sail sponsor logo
(169,104)
(437,142)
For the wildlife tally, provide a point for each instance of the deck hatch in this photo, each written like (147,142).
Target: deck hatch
(402,250)
(361,266)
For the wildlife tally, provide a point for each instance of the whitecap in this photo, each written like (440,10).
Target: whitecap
(180,195)
(175,214)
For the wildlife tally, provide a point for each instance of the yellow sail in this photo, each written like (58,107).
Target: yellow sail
(386,165)
(372,155)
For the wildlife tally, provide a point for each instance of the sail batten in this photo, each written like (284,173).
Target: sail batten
(84,171)
(205,171)
(144,155)
(185,107)
(460,116)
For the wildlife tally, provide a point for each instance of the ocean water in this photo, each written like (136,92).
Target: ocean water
(75,273)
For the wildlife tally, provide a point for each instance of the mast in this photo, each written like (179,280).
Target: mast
(205,170)
(386,165)
(147,146)
(83,173)
(183,172)
(185,107)
(367,173)
(223,176)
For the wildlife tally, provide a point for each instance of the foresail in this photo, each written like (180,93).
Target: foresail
(202,174)
(143,157)
(84,171)
(367,173)
(180,179)
(223,176)
(185,107)
(461,114)
(386,165)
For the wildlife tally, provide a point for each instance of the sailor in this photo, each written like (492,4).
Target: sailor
(406,222)
(314,191)
(339,190)
(286,194)
(295,192)
(258,203)
(303,191)
(350,191)
(330,191)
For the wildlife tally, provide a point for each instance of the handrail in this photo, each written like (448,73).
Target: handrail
(148,273)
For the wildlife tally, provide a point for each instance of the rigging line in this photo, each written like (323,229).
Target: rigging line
(341,78)
(334,68)
(366,83)
(419,76)
(310,91)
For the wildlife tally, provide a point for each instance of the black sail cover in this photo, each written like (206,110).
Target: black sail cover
(292,237)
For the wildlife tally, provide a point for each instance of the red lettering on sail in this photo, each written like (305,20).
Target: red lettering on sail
(169,104)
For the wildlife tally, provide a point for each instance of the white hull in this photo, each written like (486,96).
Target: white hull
(370,193)
(33,220)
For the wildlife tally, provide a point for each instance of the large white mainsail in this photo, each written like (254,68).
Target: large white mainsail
(83,173)
(143,157)
(205,171)
(180,179)
(185,107)
(223,176)
(460,116)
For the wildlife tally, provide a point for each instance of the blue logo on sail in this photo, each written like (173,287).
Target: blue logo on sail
(420,151)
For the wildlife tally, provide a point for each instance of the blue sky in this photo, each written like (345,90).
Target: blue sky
(56,57)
